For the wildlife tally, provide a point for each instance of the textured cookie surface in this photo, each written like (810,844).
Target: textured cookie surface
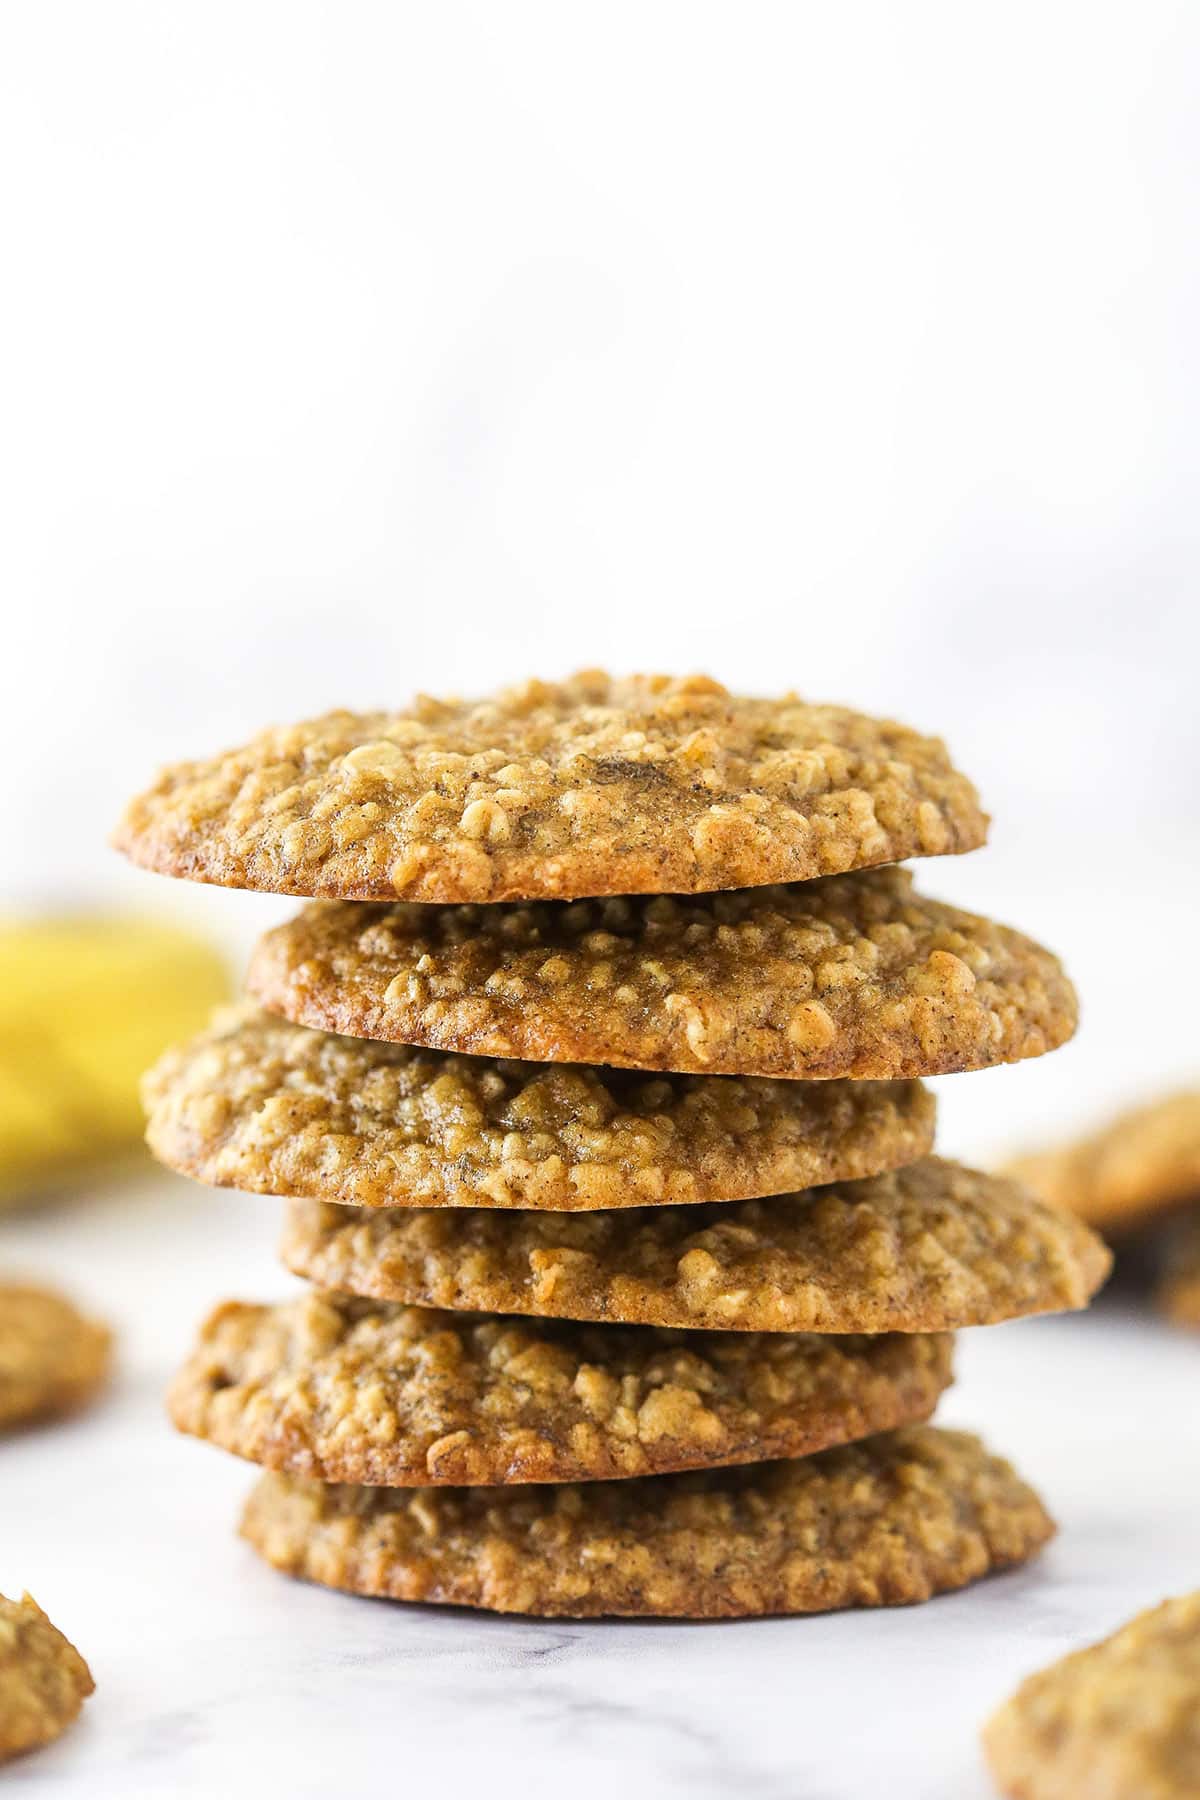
(356,1390)
(1141,1164)
(853,976)
(1118,1721)
(928,1248)
(259,1104)
(895,1519)
(52,1359)
(43,1679)
(591,786)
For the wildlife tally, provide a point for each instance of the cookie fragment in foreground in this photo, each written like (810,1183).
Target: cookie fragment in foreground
(931,1247)
(43,1679)
(361,1391)
(587,786)
(273,1108)
(892,1520)
(1119,1720)
(52,1359)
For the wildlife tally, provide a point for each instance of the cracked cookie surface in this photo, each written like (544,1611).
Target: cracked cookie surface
(1119,1720)
(43,1679)
(1141,1164)
(359,1391)
(928,1248)
(52,1359)
(551,790)
(854,976)
(273,1108)
(887,1522)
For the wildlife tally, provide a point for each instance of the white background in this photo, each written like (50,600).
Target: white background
(351,349)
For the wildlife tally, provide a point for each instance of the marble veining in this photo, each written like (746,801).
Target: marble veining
(219,1680)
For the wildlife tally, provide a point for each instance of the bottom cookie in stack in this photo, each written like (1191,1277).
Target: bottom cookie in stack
(547,1465)
(539,1417)
(891,1520)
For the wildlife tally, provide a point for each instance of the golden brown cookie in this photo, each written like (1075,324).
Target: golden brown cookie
(259,1104)
(43,1679)
(357,1390)
(590,786)
(52,1359)
(1142,1164)
(892,1520)
(928,1248)
(1178,1291)
(1117,1721)
(854,976)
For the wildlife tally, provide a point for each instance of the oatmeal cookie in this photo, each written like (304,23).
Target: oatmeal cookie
(273,1108)
(856,976)
(52,1359)
(1140,1165)
(892,1520)
(928,1248)
(1118,1721)
(591,786)
(402,1396)
(43,1679)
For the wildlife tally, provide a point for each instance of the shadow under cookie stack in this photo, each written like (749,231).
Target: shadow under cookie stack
(593,1086)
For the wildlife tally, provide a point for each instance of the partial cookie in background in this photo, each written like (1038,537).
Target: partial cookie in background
(43,1679)
(1118,1721)
(1140,1166)
(1178,1291)
(273,1108)
(588,786)
(52,1359)
(927,1248)
(892,1520)
(855,976)
(356,1390)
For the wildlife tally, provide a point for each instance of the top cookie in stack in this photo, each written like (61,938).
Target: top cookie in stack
(556,791)
(607,1014)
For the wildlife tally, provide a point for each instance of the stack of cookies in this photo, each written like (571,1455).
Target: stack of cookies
(592,1083)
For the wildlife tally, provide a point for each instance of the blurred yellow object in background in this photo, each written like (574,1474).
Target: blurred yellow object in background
(87,1002)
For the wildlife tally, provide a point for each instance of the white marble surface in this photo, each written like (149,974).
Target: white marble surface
(217,1677)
